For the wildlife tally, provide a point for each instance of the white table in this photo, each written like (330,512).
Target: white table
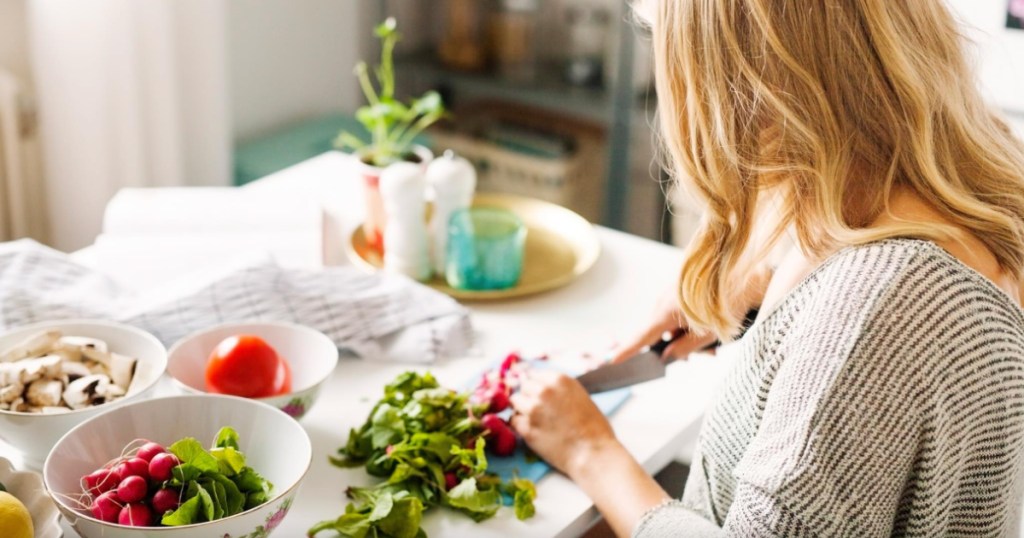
(607,302)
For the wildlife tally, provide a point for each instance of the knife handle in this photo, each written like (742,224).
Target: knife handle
(667,338)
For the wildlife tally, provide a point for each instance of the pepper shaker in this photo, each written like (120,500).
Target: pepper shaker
(453,181)
(406,251)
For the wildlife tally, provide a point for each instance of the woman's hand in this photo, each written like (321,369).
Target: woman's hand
(666,318)
(558,420)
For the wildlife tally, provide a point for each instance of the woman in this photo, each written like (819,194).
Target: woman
(880,392)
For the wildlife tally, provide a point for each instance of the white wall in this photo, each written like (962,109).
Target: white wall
(292,60)
(999,51)
(14,38)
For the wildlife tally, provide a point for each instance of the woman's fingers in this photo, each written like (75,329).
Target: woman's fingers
(651,335)
(686,344)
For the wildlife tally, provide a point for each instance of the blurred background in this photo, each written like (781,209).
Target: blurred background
(550,98)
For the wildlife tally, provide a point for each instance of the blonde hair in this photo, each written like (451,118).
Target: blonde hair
(820,109)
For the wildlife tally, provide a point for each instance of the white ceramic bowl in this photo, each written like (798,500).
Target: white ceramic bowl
(311,355)
(274,445)
(34,434)
(28,488)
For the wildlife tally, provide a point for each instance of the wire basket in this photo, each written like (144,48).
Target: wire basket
(540,154)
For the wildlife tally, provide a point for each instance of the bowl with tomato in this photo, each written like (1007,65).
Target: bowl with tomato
(281,364)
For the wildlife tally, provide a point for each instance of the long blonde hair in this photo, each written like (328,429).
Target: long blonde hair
(822,108)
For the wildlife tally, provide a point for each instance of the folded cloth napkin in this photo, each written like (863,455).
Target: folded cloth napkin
(378,316)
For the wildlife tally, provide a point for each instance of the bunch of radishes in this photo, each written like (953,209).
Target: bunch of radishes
(132,490)
(493,392)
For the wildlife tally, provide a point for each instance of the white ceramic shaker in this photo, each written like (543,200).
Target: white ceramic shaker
(406,245)
(453,181)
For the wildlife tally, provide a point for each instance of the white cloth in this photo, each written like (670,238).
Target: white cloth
(373,316)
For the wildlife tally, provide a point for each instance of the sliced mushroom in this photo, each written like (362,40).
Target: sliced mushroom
(33,346)
(68,352)
(9,373)
(84,342)
(44,393)
(19,406)
(47,367)
(97,355)
(109,392)
(71,371)
(122,370)
(10,393)
(81,392)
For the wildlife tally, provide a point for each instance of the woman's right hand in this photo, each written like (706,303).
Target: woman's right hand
(667,318)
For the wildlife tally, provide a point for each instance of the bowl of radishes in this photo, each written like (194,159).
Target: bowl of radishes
(195,465)
(281,364)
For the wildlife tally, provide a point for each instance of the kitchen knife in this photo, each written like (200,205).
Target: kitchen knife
(644,366)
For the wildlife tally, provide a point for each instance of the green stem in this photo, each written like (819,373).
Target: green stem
(416,129)
(387,74)
(364,82)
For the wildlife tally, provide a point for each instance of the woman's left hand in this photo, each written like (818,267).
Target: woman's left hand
(558,420)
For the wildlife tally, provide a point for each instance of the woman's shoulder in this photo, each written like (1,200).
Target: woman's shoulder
(903,270)
(903,297)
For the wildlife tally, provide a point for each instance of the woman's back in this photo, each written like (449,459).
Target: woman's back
(883,396)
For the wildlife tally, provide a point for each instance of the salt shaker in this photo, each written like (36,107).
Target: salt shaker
(453,181)
(406,251)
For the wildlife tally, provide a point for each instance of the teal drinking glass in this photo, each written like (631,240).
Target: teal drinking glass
(485,249)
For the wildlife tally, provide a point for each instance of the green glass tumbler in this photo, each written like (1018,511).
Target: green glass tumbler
(485,249)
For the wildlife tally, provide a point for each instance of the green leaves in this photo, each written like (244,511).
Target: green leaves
(392,125)
(479,504)
(190,452)
(216,484)
(419,437)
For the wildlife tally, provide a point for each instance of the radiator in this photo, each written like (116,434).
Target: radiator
(22,205)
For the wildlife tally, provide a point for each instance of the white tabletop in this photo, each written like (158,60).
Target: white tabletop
(605,303)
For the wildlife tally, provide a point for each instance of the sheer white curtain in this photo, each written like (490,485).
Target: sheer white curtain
(131,93)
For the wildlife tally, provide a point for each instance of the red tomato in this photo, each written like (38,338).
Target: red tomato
(283,380)
(246,366)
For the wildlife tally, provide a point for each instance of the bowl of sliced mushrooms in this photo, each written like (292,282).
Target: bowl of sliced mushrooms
(55,375)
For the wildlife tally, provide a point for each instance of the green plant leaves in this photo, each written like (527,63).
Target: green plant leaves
(419,437)
(216,484)
(393,125)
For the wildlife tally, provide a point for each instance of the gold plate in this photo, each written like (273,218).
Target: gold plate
(560,246)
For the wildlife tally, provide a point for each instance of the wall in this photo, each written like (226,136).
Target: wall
(14,38)
(291,60)
(999,52)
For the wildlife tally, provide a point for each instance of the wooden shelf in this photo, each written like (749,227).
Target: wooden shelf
(548,90)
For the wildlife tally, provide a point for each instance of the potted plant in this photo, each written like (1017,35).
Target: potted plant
(393,127)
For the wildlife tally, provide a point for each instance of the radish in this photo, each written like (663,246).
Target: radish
(162,465)
(505,444)
(134,467)
(149,450)
(101,481)
(132,489)
(135,515)
(500,434)
(165,500)
(106,507)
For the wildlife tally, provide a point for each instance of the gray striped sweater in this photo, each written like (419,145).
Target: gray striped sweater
(884,396)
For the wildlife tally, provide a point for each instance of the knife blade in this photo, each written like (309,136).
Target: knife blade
(646,365)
